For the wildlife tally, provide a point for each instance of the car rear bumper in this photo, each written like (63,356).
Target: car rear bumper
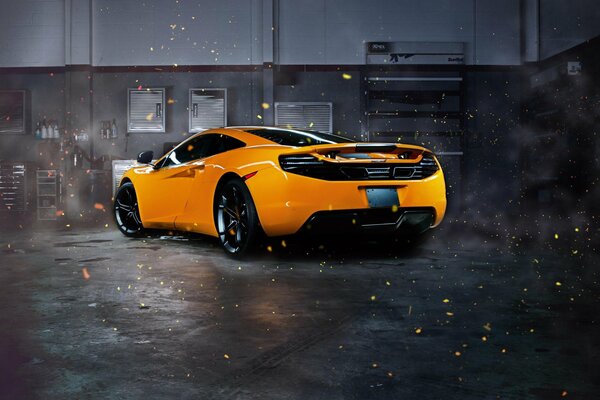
(370,221)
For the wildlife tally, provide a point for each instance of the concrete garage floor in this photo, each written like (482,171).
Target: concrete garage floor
(175,318)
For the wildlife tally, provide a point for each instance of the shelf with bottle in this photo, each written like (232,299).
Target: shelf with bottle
(109,129)
(47,130)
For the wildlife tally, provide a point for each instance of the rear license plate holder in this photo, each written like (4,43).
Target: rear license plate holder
(382,197)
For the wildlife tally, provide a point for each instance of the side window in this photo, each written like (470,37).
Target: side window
(201,147)
(191,150)
(222,143)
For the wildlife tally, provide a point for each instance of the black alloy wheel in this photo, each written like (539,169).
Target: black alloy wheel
(126,211)
(236,219)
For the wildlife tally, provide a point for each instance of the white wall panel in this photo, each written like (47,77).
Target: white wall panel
(32,33)
(209,32)
(155,32)
(498,32)
(334,31)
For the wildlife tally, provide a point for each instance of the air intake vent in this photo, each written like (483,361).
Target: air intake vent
(311,116)
(290,162)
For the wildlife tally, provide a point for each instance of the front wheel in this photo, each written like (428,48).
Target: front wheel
(126,211)
(236,218)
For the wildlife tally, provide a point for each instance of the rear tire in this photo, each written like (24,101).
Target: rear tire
(126,211)
(235,217)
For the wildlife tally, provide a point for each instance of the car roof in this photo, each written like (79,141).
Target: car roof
(244,134)
(240,133)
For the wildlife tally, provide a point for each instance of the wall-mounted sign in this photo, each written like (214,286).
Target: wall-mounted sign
(574,67)
(378,47)
(415,53)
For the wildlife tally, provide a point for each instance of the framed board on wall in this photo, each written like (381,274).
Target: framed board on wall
(13,112)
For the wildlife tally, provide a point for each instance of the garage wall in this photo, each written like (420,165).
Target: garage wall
(231,32)
(335,31)
(565,24)
(110,101)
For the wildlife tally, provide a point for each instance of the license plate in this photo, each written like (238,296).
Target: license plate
(382,197)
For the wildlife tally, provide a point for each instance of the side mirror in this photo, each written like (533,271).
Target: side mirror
(145,157)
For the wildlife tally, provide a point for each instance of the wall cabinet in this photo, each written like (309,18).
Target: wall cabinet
(314,116)
(207,109)
(146,110)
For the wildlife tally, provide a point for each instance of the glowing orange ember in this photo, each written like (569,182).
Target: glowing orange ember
(99,206)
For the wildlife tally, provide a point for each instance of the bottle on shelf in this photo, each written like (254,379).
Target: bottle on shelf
(114,132)
(38,131)
(55,131)
(50,130)
(104,131)
(44,134)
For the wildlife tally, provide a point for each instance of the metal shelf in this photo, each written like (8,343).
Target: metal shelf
(13,187)
(48,194)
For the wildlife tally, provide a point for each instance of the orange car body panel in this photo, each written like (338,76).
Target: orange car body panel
(181,197)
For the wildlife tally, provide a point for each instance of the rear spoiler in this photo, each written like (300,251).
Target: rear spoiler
(361,147)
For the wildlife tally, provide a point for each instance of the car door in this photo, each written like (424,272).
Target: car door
(168,186)
(198,213)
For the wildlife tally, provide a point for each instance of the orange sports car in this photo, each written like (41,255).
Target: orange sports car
(238,183)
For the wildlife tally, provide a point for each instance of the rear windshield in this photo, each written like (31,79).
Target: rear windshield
(298,138)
